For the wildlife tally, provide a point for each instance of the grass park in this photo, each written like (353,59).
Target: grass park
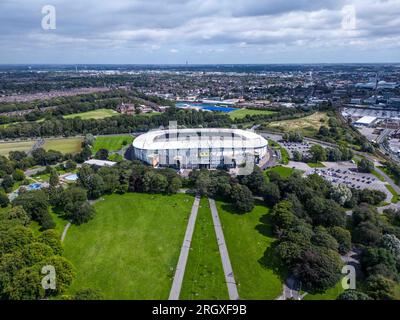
(94,114)
(204,276)
(242,113)
(111,143)
(308,126)
(6,147)
(64,145)
(131,248)
(249,240)
(284,172)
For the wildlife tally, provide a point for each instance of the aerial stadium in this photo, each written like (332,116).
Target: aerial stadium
(200,148)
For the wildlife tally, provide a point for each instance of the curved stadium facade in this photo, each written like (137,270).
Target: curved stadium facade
(200,148)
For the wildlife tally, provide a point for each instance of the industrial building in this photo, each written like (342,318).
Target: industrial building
(366,121)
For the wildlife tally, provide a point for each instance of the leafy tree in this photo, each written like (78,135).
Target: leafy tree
(297,156)
(18,214)
(365,166)
(52,239)
(380,288)
(326,212)
(54,179)
(392,243)
(88,294)
(202,183)
(379,261)
(271,193)
(367,233)
(353,295)
(343,237)
(254,181)
(26,285)
(14,238)
(334,154)
(154,182)
(18,175)
(341,194)
(282,215)
(36,204)
(289,252)
(318,153)
(70,165)
(7,183)
(174,185)
(242,198)
(82,213)
(36,252)
(102,154)
(322,238)
(318,269)
(4,201)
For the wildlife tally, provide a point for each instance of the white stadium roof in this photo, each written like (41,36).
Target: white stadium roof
(202,138)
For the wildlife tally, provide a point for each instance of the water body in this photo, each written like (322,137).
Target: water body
(204,106)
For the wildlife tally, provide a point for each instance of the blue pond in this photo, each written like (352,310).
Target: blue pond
(204,106)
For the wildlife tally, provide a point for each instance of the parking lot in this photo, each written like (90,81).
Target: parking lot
(302,147)
(346,173)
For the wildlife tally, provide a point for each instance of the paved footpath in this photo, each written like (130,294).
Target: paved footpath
(226,263)
(180,269)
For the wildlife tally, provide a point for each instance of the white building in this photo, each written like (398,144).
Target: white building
(200,148)
(366,121)
(100,163)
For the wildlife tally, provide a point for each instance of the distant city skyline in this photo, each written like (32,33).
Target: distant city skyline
(200,32)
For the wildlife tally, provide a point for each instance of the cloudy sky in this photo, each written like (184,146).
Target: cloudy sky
(201,31)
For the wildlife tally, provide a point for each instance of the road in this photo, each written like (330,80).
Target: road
(183,257)
(226,262)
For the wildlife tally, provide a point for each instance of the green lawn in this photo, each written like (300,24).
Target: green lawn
(6,147)
(330,294)
(378,175)
(395,197)
(242,113)
(315,165)
(131,248)
(249,240)
(284,172)
(94,114)
(204,275)
(64,145)
(111,143)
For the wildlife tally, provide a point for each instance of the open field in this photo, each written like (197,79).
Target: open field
(308,126)
(204,276)
(242,113)
(249,240)
(131,248)
(64,145)
(94,114)
(330,294)
(6,147)
(111,143)
(284,172)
